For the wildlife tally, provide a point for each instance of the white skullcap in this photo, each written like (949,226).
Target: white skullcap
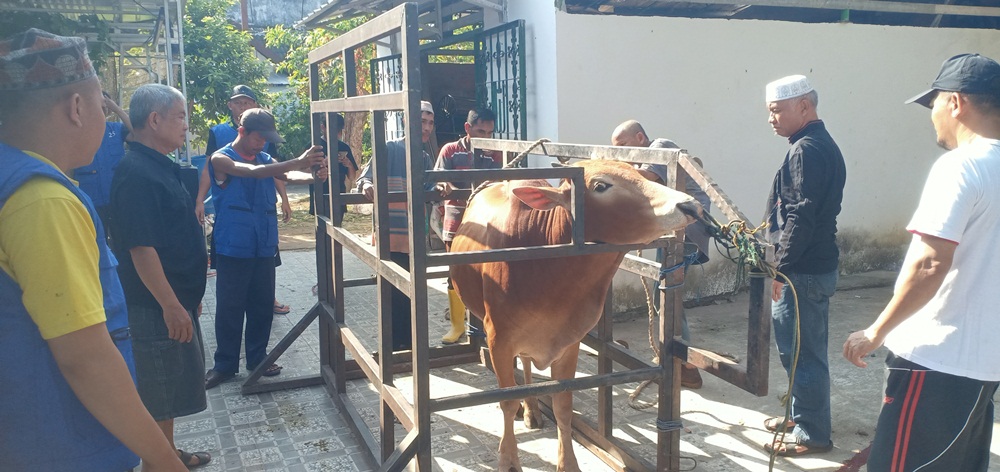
(787,87)
(425,107)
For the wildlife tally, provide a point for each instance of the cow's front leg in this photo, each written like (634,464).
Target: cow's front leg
(562,407)
(532,415)
(503,365)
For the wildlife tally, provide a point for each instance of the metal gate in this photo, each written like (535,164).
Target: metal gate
(500,77)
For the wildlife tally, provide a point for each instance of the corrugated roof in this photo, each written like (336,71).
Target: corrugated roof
(131,21)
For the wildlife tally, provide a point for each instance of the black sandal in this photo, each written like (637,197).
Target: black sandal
(201,458)
(272,370)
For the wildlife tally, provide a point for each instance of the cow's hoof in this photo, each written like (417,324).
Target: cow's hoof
(533,419)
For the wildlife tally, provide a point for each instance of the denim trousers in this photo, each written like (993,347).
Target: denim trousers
(811,390)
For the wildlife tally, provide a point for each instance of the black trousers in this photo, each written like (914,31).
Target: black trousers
(401,324)
(932,421)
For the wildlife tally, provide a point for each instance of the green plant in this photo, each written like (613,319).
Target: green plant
(218,56)
(292,108)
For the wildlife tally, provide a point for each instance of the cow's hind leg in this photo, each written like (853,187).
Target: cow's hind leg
(562,407)
(503,365)
(533,418)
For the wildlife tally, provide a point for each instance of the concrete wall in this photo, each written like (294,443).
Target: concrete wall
(701,83)
(541,73)
(265,13)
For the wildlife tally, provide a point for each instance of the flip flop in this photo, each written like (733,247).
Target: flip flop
(201,458)
(773,424)
(280,309)
(794,449)
(272,370)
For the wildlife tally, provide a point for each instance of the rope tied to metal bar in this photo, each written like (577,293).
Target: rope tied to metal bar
(514,162)
(667,426)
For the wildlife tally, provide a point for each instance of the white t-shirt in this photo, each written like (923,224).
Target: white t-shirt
(958,331)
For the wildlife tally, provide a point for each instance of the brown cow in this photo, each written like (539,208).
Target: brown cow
(541,310)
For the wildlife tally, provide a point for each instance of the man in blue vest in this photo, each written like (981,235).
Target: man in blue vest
(246,239)
(95,178)
(67,399)
(243,99)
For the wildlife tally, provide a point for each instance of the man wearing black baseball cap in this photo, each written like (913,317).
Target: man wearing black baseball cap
(940,326)
(246,238)
(242,99)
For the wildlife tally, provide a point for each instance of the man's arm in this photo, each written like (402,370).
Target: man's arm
(204,184)
(364,183)
(150,270)
(286,207)
(352,170)
(930,260)
(224,166)
(96,372)
(118,111)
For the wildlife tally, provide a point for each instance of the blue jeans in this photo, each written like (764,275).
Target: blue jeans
(811,391)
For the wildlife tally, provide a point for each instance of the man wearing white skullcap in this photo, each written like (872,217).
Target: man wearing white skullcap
(399,246)
(801,215)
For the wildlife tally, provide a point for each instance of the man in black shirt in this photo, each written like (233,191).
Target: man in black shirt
(345,162)
(801,215)
(159,242)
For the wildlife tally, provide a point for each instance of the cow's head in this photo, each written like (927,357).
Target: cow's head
(621,207)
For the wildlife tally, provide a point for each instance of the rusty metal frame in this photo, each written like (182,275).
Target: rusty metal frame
(337,338)
(751,376)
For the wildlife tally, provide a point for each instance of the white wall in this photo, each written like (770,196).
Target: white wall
(540,72)
(701,83)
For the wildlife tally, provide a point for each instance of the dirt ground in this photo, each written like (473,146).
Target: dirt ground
(300,231)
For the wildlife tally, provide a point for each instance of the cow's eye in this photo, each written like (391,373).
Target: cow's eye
(601,187)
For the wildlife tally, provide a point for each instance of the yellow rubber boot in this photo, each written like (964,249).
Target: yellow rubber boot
(457,312)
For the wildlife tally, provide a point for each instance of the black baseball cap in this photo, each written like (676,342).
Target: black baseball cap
(243,91)
(261,121)
(965,73)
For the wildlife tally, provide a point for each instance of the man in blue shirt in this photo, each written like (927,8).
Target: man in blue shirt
(95,178)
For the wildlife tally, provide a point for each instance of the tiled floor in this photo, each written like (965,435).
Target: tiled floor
(302,430)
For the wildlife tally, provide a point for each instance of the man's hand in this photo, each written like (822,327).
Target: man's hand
(179,326)
(199,212)
(286,210)
(858,345)
(321,174)
(368,190)
(313,158)
(776,287)
(445,188)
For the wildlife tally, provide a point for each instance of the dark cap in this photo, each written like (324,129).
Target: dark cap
(964,73)
(243,91)
(261,121)
(36,59)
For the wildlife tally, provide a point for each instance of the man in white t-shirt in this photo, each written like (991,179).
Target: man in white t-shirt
(940,326)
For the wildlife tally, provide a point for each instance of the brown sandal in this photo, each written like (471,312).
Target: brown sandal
(794,449)
(774,424)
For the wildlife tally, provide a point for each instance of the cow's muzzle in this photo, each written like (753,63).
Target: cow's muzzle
(691,208)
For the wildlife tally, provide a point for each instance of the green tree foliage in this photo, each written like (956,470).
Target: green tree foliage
(218,56)
(292,108)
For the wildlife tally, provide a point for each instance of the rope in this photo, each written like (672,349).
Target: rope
(514,162)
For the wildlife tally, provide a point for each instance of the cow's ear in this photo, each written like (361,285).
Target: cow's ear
(541,198)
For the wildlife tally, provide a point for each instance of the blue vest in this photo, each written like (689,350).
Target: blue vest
(224,134)
(246,222)
(95,178)
(43,426)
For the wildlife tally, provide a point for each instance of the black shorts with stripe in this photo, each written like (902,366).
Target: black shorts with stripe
(932,421)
